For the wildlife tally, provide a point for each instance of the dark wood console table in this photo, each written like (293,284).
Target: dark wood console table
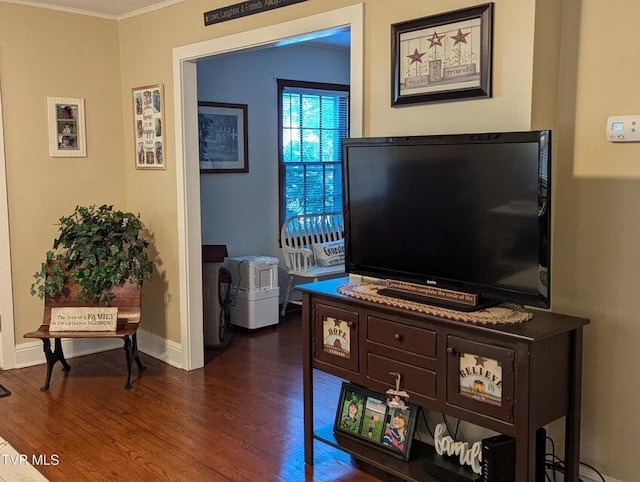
(540,361)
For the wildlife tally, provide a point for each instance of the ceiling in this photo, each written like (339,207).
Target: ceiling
(102,8)
(127,8)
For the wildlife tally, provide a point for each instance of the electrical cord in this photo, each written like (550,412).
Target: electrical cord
(224,278)
(555,464)
(227,299)
(454,433)
(239,283)
(426,424)
(590,467)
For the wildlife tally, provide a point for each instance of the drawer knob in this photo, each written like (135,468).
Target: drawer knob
(397,336)
(451,351)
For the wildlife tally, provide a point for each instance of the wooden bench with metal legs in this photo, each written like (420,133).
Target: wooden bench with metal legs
(127,298)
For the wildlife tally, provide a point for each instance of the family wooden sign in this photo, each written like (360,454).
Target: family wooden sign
(467,455)
(243,9)
(84,319)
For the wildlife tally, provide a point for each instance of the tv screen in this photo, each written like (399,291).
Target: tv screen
(466,212)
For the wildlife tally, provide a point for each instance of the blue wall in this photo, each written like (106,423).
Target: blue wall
(241,209)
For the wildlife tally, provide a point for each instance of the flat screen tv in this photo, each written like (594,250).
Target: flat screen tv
(463,212)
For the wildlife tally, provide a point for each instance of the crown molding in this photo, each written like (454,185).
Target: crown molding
(92,13)
(150,8)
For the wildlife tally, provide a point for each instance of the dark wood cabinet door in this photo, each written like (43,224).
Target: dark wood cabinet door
(480,377)
(336,336)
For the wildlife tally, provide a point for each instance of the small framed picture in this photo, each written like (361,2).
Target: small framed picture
(148,125)
(443,57)
(365,415)
(223,138)
(67,136)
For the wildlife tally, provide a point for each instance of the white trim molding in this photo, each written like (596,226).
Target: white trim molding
(31,353)
(162,349)
(588,475)
(7,327)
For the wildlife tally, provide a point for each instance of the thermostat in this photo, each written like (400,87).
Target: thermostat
(623,128)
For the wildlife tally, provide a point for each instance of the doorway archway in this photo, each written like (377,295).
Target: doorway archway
(187,171)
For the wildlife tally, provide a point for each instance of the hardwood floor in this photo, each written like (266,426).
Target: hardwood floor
(237,419)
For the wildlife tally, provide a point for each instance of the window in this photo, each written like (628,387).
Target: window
(313,119)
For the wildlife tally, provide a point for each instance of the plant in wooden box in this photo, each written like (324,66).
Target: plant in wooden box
(98,247)
(99,259)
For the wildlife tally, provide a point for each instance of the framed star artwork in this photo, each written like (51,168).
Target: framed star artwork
(442,57)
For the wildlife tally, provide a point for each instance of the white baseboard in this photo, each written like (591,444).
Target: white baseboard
(160,348)
(31,353)
(588,475)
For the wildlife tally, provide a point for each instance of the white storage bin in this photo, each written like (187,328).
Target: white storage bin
(255,309)
(253,273)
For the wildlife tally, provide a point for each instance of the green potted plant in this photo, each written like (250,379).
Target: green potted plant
(97,247)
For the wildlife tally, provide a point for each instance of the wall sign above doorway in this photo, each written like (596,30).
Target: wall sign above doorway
(243,9)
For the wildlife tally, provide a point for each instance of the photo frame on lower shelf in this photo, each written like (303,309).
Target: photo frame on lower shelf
(364,415)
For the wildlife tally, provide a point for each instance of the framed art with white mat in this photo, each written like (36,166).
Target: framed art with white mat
(67,135)
(148,125)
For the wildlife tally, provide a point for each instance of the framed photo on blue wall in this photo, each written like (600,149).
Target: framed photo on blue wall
(222,137)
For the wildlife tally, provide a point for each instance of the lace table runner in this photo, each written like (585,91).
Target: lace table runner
(505,313)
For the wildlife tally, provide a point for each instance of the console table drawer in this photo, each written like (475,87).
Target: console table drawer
(413,379)
(402,337)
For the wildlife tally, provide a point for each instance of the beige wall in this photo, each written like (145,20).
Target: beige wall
(596,226)
(508,109)
(607,84)
(45,53)
(597,265)
(146,57)
(146,48)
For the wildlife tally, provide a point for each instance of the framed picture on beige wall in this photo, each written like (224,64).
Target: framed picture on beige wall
(148,127)
(67,137)
(442,57)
